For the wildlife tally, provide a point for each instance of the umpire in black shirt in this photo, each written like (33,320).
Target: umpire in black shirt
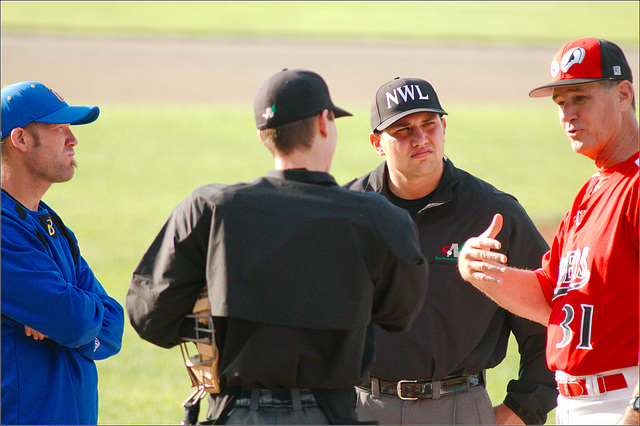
(434,373)
(296,267)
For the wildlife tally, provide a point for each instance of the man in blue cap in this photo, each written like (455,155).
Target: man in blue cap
(57,319)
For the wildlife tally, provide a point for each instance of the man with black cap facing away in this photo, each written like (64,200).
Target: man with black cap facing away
(57,319)
(586,289)
(296,269)
(435,372)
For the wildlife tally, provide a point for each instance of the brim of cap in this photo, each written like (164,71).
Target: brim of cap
(389,121)
(72,115)
(547,89)
(339,112)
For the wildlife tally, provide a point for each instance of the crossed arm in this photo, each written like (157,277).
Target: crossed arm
(516,290)
(33,333)
(36,293)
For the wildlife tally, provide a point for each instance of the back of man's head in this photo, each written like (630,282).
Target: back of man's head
(285,107)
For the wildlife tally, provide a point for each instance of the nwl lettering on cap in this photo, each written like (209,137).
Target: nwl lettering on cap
(405,92)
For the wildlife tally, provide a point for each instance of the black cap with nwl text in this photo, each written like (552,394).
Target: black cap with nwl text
(292,95)
(401,97)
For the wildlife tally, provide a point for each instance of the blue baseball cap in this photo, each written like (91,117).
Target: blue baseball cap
(29,101)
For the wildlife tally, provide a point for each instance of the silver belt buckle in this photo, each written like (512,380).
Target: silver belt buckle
(399,390)
(412,398)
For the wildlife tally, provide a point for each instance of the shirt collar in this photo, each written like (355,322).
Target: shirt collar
(304,176)
(442,193)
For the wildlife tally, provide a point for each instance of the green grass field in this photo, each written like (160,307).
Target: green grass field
(139,160)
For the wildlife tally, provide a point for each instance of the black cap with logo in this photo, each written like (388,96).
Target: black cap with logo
(401,97)
(292,95)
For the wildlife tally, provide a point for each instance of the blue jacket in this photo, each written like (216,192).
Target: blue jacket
(48,287)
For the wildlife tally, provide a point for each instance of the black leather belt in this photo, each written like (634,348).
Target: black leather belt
(425,389)
(293,398)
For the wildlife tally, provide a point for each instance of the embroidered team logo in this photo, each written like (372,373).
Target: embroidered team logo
(269,112)
(451,252)
(574,272)
(404,94)
(569,59)
(572,57)
(54,92)
(50,228)
(47,224)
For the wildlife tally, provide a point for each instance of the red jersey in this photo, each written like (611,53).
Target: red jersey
(590,276)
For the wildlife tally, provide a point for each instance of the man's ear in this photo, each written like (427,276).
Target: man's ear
(19,139)
(375,142)
(625,94)
(322,121)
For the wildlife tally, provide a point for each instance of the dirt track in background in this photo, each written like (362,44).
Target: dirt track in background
(96,70)
(108,69)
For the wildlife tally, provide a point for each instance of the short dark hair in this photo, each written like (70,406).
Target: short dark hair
(291,136)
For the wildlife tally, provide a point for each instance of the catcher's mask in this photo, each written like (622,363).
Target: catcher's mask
(203,366)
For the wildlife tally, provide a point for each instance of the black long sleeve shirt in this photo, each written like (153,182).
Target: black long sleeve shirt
(296,268)
(460,330)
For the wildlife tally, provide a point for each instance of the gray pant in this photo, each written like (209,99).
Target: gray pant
(469,407)
(273,407)
(246,416)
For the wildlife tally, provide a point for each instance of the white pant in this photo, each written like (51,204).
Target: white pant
(596,410)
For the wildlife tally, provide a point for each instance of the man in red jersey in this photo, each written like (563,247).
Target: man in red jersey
(586,290)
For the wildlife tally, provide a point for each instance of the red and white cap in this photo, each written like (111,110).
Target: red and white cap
(585,60)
